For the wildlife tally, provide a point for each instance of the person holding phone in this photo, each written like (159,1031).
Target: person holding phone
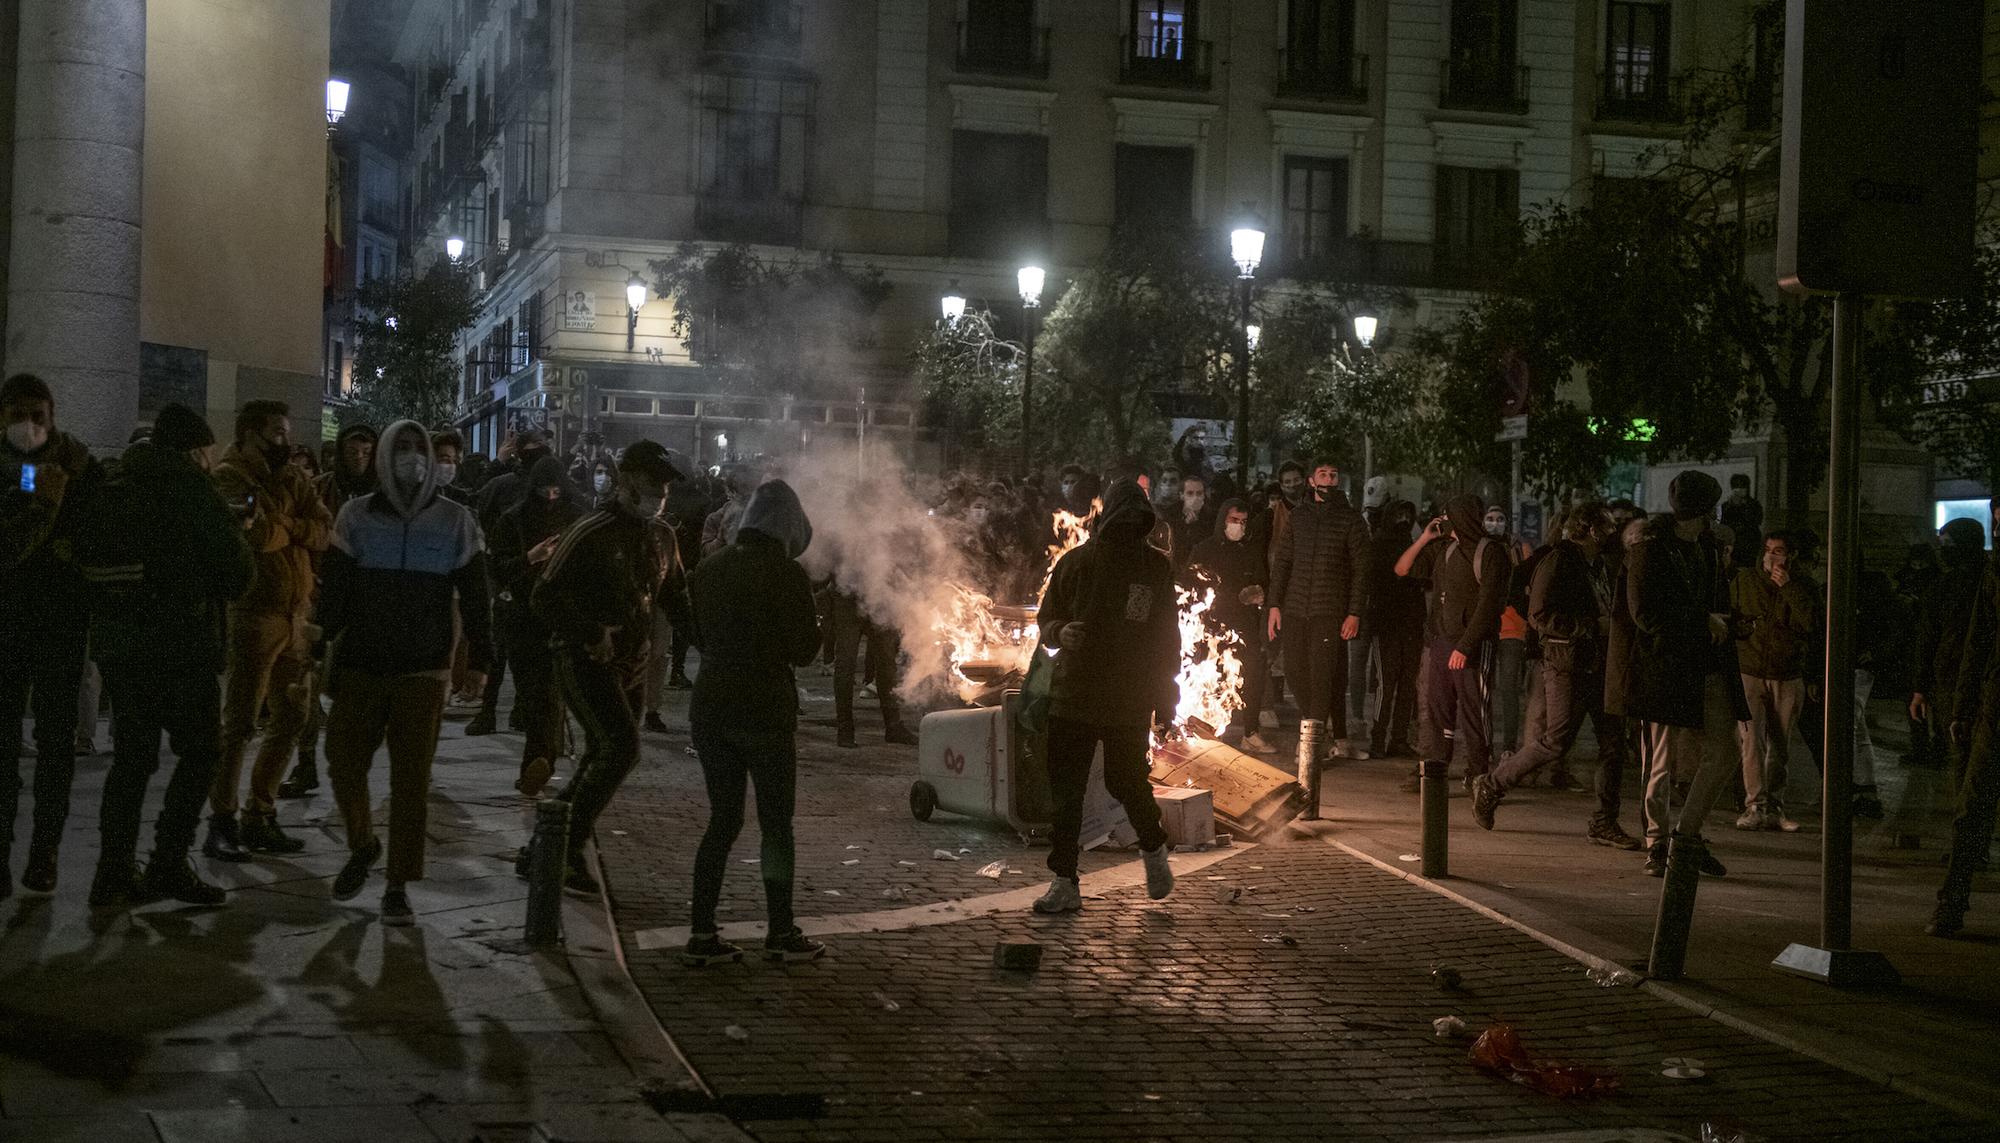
(44,619)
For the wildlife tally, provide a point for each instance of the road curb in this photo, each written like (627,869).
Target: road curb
(1681,998)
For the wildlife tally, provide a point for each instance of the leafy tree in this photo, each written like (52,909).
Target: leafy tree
(405,354)
(971,380)
(770,325)
(1947,343)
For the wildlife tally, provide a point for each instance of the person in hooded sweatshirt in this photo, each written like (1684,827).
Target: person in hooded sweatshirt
(1109,618)
(1396,607)
(1232,563)
(520,454)
(44,621)
(403,559)
(523,539)
(597,595)
(1469,572)
(353,471)
(749,611)
(1975,730)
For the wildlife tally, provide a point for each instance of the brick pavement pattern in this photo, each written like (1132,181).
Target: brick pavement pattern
(1195,1018)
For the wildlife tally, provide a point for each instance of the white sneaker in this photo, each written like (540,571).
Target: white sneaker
(1255,743)
(1159,875)
(1752,818)
(1338,750)
(1781,823)
(1358,753)
(1268,720)
(1063,897)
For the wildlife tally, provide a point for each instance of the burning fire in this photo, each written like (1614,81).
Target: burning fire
(1211,675)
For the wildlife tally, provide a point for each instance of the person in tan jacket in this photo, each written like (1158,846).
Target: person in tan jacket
(269,651)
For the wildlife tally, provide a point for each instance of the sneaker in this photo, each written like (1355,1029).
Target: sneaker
(40,875)
(1947,920)
(225,840)
(515,721)
(680,682)
(482,723)
(1255,743)
(1338,749)
(1609,834)
(396,908)
(303,783)
(1486,795)
(793,946)
(114,885)
(899,736)
(178,881)
(1656,861)
(1562,779)
(1778,821)
(85,747)
(1754,818)
(1063,897)
(1358,753)
(1710,867)
(534,776)
(1159,874)
(262,834)
(654,724)
(352,876)
(578,879)
(707,949)
(1267,719)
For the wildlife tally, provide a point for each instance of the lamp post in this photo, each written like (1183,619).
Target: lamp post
(635,298)
(454,248)
(1246,249)
(1364,332)
(1030,280)
(952,305)
(336,101)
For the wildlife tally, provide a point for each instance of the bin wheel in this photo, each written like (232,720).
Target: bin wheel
(923,799)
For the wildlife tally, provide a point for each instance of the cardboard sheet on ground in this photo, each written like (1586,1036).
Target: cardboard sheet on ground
(1252,797)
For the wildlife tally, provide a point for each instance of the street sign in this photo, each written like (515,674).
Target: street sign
(1881,147)
(1512,429)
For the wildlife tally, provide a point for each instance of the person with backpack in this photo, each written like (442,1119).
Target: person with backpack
(163,557)
(1469,574)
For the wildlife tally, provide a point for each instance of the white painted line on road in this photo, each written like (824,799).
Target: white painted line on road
(945,912)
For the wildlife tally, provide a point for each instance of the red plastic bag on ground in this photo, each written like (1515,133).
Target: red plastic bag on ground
(1499,1050)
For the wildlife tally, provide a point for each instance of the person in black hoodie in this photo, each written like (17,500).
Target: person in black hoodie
(1396,609)
(523,539)
(749,611)
(597,596)
(1975,729)
(1110,620)
(501,492)
(1469,573)
(1319,587)
(1944,615)
(1233,565)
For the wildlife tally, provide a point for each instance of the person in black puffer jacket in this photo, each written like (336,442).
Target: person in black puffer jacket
(1319,587)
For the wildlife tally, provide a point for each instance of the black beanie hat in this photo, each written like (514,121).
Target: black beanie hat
(25,387)
(651,459)
(1693,494)
(1963,533)
(180,428)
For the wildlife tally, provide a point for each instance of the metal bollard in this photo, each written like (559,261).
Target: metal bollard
(1670,931)
(548,862)
(1437,818)
(1308,760)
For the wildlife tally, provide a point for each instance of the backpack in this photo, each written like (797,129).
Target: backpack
(1479,556)
(121,546)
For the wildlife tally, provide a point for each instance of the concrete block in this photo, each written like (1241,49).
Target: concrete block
(1019,955)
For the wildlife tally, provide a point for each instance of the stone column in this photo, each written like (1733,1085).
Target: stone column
(73,278)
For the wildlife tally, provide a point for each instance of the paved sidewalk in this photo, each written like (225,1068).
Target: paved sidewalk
(1283,992)
(285,1016)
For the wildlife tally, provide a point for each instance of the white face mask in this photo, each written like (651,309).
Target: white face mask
(27,436)
(411,468)
(1234,531)
(601,482)
(447,473)
(1496,528)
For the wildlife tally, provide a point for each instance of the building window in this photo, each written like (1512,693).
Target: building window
(1480,69)
(1315,210)
(1152,185)
(753,157)
(1477,214)
(1000,36)
(754,27)
(1635,53)
(1319,45)
(999,194)
(1164,48)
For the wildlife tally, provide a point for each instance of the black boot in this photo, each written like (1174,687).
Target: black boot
(1948,919)
(115,885)
(482,723)
(176,879)
(303,783)
(844,736)
(40,875)
(224,841)
(899,735)
(654,724)
(261,834)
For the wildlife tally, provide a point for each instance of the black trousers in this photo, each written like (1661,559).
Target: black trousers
(536,695)
(1256,676)
(148,701)
(852,631)
(1458,705)
(731,758)
(489,701)
(1567,698)
(41,651)
(1396,707)
(1316,669)
(1978,800)
(606,700)
(1072,747)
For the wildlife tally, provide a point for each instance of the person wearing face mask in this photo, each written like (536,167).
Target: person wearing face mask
(1319,588)
(597,596)
(270,654)
(447,450)
(48,475)
(519,454)
(1468,572)
(403,560)
(1191,521)
(1396,606)
(601,479)
(1072,497)
(1776,621)
(522,541)
(353,470)
(1230,563)
(1510,658)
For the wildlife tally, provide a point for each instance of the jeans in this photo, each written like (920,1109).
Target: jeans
(1457,702)
(1072,748)
(146,701)
(1979,794)
(1510,680)
(1316,670)
(405,710)
(268,662)
(731,757)
(1765,741)
(40,651)
(854,632)
(1566,698)
(1396,704)
(606,702)
(1706,752)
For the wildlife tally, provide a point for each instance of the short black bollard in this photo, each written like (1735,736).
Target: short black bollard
(1437,817)
(1670,931)
(548,863)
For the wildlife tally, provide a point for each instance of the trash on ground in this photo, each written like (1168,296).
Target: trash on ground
(1725,1131)
(993,869)
(1022,956)
(1611,976)
(736,1032)
(1499,1050)
(887,1004)
(1684,1073)
(832,893)
(753,861)
(963,849)
(852,861)
(1227,895)
(1218,879)
(1447,977)
(943,855)
(911,864)
(1276,916)
(896,893)
(617,833)
(1410,857)
(1306,909)
(854,847)
(1448,1028)
(1286,939)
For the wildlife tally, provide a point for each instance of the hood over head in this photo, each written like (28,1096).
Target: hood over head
(1399,510)
(180,428)
(385,469)
(1962,535)
(546,473)
(1467,514)
(1128,517)
(1693,494)
(1233,504)
(774,510)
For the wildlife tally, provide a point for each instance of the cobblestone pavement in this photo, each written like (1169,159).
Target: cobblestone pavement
(1301,1009)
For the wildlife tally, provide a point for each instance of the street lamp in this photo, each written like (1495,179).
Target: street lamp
(1246,249)
(1365,326)
(454,248)
(1253,333)
(635,297)
(1030,280)
(336,100)
(1364,329)
(952,304)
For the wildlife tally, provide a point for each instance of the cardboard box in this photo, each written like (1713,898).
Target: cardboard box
(1187,813)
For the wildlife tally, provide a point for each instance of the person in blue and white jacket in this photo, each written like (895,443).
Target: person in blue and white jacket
(402,561)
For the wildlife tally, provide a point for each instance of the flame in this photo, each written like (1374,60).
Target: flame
(1211,674)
